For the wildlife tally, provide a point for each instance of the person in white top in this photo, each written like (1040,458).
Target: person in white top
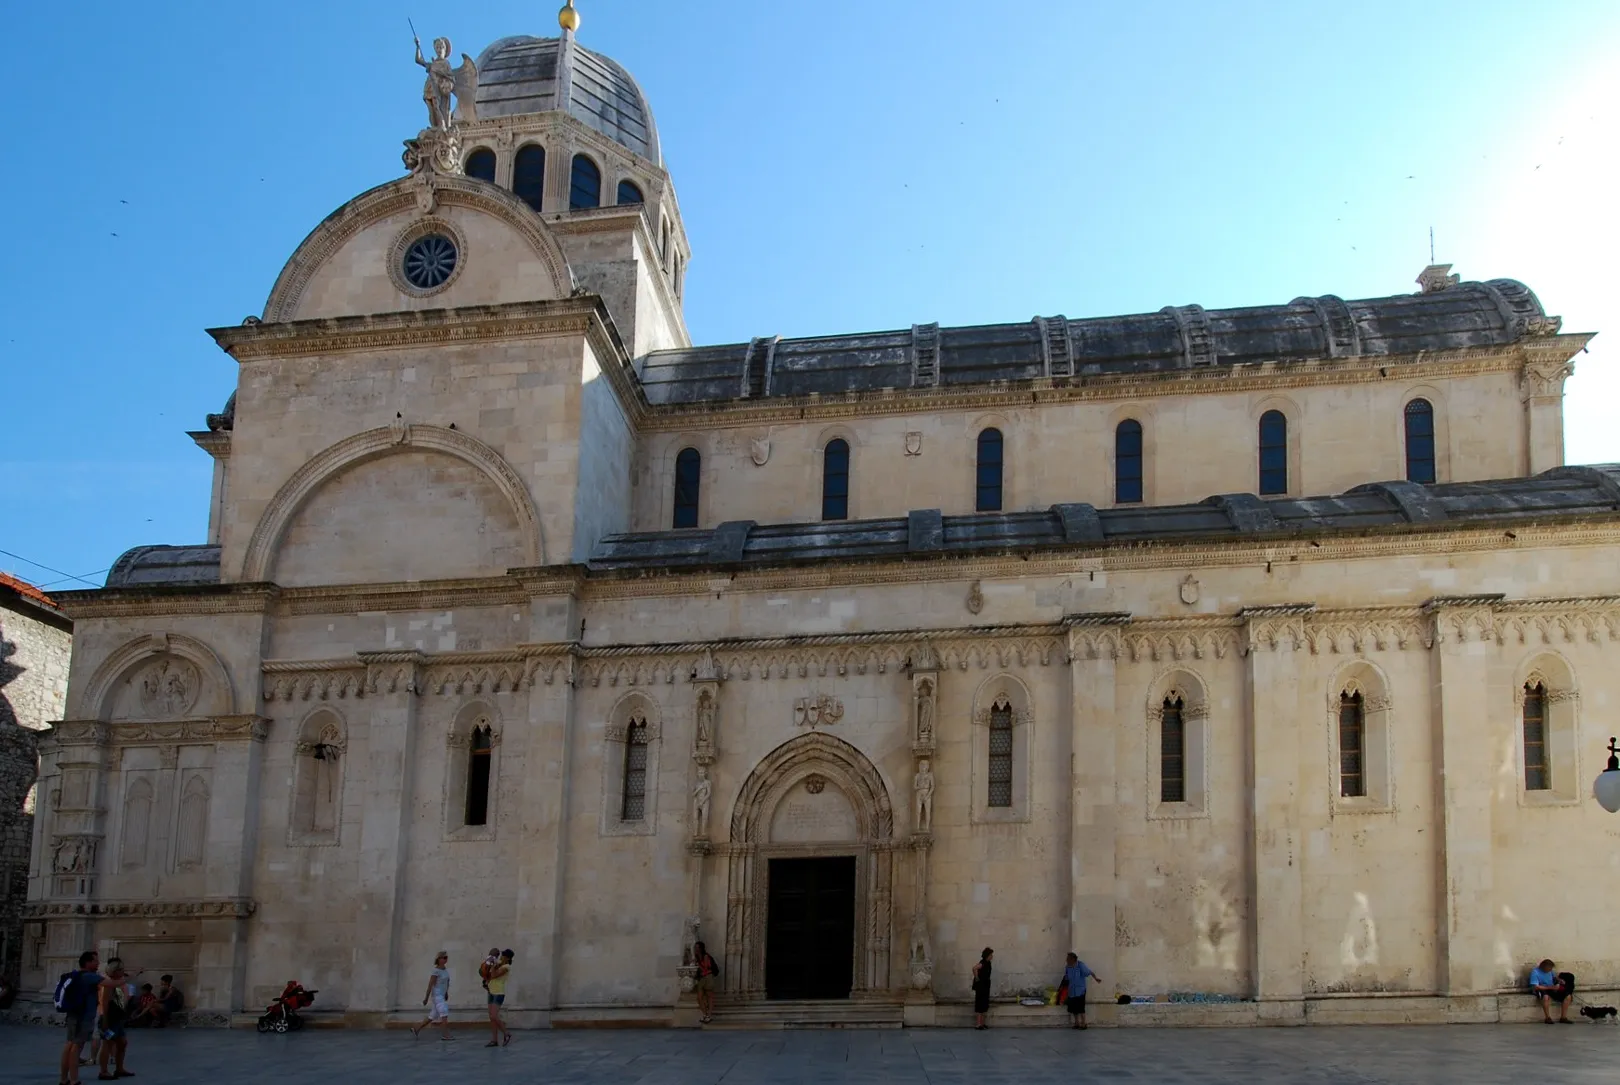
(437,998)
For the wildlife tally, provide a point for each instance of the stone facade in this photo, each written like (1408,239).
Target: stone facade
(443,676)
(36,642)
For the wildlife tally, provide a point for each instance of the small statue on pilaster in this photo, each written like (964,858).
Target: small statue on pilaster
(702,792)
(707,717)
(921,965)
(922,786)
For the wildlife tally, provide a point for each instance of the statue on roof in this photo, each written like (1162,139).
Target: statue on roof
(443,81)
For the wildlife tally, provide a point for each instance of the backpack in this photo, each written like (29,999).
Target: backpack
(63,985)
(69,998)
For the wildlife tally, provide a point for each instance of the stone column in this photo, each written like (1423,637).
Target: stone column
(1093,651)
(1463,704)
(1542,388)
(233,832)
(706,679)
(1274,634)
(71,836)
(384,768)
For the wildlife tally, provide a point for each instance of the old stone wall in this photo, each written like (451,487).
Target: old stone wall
(35,646)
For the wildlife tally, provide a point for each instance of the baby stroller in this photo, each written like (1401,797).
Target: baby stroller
(282,1014)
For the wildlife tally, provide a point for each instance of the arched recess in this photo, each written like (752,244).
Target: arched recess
(320,756)
(998,695)
(1550,675)
(1371,715)
(634,709)
(834,764)
(407,195)
(370,445)
(472,764)
(154,655)
(1178,706)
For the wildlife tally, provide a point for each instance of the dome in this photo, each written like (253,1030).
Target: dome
(519,75)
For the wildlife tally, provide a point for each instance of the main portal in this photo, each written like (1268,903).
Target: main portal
(810,936)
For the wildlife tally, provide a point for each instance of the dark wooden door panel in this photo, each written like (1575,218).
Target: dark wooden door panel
(810,928)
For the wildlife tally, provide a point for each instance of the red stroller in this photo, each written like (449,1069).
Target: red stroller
(282,1014)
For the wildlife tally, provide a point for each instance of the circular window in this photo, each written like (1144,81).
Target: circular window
(429,261)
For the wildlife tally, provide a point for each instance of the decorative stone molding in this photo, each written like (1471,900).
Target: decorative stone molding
(1545,379)
(392,672)
(234,728)
(422,227)
(387,201)
(362,447)
(228,908)
(189,670)
(1276,628)
(821,710)
(975,598)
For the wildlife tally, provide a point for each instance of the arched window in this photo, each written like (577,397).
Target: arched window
(1273,453)
(987,495)
(1419,441)
(1352,745)
(1173,751)
(529,175)
(1536,774)
(1128,462)
(481,164)
(629,193)
(635,771)
(1001,753)
(584,184)
(835,480)
(480,746)
(688,473)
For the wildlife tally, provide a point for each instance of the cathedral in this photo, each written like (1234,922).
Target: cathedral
(1263,657)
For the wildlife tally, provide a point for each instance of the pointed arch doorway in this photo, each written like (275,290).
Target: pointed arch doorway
(810,882)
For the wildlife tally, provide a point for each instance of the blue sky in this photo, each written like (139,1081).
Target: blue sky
(840,168)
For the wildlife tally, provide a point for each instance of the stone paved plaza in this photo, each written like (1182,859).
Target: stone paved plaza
(1472,1054)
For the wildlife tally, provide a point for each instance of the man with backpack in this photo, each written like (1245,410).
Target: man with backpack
(76,997)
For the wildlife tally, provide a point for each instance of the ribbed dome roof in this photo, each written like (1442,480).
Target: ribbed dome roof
(520,75)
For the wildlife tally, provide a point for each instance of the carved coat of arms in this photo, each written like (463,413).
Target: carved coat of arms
(759,449)
(818,711)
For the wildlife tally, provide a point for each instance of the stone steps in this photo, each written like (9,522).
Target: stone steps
(805,1014)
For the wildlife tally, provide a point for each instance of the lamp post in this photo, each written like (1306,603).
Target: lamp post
(1606,788)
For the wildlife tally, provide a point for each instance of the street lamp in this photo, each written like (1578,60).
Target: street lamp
(1606,788)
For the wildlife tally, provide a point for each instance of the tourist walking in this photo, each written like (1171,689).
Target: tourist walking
(77,1001)
(437,999)
(113,1014)
(707,970)
(981,988)
(499,1034)
(1075,976)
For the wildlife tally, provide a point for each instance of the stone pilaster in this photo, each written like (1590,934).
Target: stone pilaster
(1273,635)
(383,771)
(1542,388)
(1093,656)
(1463,703)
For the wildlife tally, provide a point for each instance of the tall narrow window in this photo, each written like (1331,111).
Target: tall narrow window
(1419,441)
(529,175)
(1001,753)
(1536,776)
(481,164)
(1273,453)
(479,747)
(1352,746)
(835,480)
(635,771)
(1128,462)
(1173,751)
(584,184)
(629,193)
(988,492)
(688,474)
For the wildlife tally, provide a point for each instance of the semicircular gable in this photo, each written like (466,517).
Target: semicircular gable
(344,267)
(159,676)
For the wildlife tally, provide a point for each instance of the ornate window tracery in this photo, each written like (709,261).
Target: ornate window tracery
(1001,753)
(1352,745)
(634,805)
(1537,774)
(480,748)
(1173,751)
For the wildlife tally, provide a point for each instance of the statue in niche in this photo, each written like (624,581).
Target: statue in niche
(702,792)
(925,712)
(323,815)
(923,789)
(443,81)
(705,719)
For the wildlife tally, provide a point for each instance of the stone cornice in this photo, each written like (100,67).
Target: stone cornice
(244,598)
(217,443)
(209,729)
(227,908)
(1004,395)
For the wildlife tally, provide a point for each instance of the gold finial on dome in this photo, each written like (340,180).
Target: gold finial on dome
(568,17)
